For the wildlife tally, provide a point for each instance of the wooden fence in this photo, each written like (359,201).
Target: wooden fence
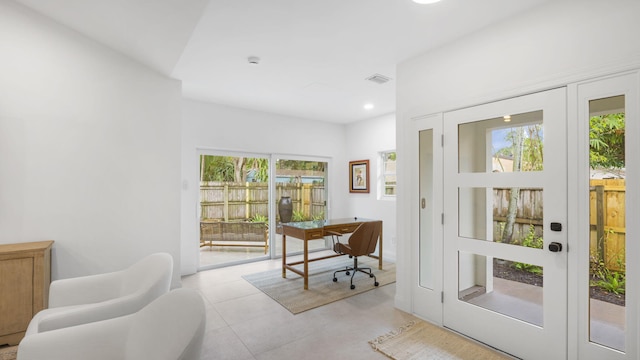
(227,201)
(529,213)
(607,222)
(607,218)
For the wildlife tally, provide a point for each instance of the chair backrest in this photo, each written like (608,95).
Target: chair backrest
(151,276)
(364,239)
(171,327)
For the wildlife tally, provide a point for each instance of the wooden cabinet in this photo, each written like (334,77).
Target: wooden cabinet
(25,275)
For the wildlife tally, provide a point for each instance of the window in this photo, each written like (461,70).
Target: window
(388,176)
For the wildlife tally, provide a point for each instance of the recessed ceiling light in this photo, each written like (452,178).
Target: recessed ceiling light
(368,106)
(507,118)
(426,1)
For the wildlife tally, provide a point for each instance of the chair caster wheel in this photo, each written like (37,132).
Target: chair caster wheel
(353,287)
(376,283)
(347,273)
(370,275)
(335,279)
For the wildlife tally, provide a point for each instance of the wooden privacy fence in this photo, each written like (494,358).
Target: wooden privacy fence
(529,213)
(606,218)
(227,201)
(607,222)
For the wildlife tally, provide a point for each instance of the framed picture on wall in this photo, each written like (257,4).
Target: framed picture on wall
(359,176)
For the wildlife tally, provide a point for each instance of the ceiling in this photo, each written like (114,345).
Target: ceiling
(315,55)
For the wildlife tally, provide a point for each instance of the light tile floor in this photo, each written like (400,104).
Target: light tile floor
(243,323)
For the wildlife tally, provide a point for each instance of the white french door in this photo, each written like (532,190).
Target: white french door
(505,209)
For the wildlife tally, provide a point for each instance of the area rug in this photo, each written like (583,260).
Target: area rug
(8,353)
(421,340)
(289,292)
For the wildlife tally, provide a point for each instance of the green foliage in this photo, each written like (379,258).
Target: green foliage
(531,150)
(611,281)
(532,241)
(261,167)
(608,280)
(259,218)
(318,217)
(300,165)
(534,269)
(297,216)
(532,153)
(223,168)
(217,168)
(390,156)
(606,141)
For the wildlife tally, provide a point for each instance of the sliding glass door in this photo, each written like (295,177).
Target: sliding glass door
(300,194)
(233,208)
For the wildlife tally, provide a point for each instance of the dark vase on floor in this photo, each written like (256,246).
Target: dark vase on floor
(285,209)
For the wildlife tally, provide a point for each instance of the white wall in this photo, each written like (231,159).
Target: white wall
(218,127)
(558,43)
(365,140)
(89,148)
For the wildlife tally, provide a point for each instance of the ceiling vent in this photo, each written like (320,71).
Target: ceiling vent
(378,79)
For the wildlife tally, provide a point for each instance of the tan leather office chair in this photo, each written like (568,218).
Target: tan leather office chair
(362,242)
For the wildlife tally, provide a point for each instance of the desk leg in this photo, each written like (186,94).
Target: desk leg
(284,255)
(380,249)
(306,264)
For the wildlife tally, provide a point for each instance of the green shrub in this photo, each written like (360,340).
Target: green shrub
(297,216)
(532,241)
(611,281)
(259,218)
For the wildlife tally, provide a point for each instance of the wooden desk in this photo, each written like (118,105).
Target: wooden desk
(315,230)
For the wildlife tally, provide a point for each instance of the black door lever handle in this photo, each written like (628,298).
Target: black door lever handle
(555,247)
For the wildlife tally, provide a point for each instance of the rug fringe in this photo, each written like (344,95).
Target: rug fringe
(391,334)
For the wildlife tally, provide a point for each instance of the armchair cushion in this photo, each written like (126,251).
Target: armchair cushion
(170,327)
(99,297)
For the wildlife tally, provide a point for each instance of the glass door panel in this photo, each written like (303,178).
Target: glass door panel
(515,289)
(304,182)
(515,143)
(512,216)
(233,209)
(426,244)
(607,197)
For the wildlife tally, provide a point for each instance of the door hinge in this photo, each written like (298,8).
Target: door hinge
(442,297)
(442,140)
(442,218)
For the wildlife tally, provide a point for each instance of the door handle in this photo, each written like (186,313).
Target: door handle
(555,247)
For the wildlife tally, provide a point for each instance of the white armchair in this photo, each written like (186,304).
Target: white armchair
(92,298)
(170,328)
